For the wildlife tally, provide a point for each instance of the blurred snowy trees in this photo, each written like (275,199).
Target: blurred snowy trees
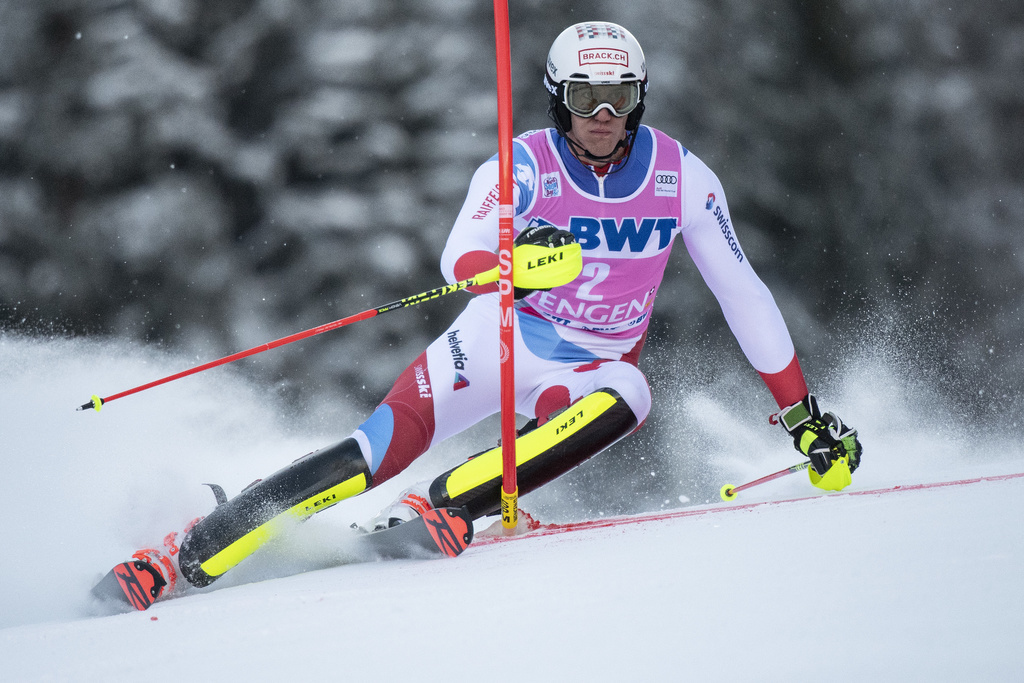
(214,175)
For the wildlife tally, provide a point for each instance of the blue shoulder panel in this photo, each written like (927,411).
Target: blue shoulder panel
(524,173)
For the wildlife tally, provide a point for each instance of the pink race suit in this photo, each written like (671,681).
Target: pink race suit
(588,334)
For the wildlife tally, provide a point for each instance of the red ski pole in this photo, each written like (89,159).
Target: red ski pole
(729,491)
(539,267)
(97,402)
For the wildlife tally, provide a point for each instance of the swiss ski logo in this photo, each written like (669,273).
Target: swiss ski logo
(551,184)
(666,184)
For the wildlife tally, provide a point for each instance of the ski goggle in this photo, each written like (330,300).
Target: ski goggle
(586,99)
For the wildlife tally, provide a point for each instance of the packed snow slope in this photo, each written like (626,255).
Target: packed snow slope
(901,584)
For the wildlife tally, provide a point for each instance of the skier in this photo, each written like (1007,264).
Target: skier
(625,192)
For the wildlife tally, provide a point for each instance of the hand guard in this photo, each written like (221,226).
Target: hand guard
(831,446)
(544,236)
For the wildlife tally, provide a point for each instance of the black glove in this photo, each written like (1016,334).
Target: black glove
(544,236)
(824,439)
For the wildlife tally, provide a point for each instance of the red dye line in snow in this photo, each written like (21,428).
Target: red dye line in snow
(551,529)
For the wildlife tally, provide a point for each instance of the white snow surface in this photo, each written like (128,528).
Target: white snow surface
(913,584)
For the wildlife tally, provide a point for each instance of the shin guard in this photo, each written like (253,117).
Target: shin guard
(584,429)
(235,529)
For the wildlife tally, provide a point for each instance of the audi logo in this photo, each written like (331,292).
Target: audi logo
(666,179)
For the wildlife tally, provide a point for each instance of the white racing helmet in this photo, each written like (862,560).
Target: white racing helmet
(592,66)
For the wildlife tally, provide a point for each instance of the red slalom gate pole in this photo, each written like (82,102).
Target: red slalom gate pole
(509,485)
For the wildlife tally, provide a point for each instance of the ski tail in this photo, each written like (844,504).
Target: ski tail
(136,583)
(451,530)
(437,533)
(150,575)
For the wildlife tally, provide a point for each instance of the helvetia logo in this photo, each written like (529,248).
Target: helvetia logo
(455,347)
(460,382)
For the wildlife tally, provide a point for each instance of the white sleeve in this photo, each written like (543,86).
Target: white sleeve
(476,227)
(748,306)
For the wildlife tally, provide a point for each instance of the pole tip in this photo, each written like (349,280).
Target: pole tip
(95,402)
(728,492)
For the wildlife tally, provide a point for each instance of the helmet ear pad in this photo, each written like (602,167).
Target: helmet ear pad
(557,111)
(560,114)
(633,118)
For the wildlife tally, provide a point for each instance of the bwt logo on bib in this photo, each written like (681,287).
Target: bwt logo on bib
(617,236)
